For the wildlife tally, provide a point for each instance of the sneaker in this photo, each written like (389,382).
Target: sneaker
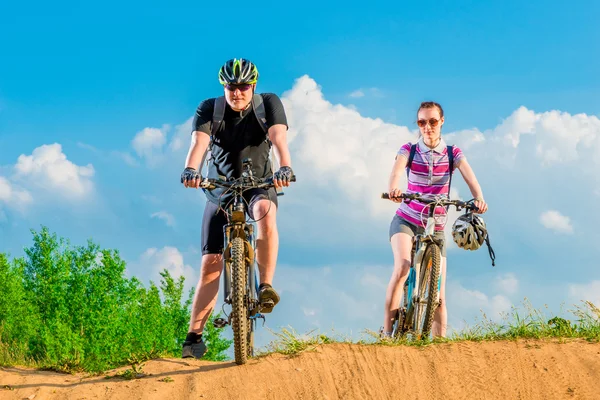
(193,349)
(384,335)
(268,298)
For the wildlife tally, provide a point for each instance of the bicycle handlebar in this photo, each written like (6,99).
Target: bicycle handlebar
(243,182)
(469,205)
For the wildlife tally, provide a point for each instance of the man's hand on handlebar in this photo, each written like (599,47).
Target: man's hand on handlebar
(190,178)
(283,177)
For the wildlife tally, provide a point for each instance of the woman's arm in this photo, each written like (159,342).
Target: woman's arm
(471,180)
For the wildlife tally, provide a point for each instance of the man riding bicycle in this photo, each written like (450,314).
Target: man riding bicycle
(234,128)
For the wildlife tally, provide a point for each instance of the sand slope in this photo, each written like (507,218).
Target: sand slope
(492,370)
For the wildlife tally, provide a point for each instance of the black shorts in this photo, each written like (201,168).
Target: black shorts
(215,219)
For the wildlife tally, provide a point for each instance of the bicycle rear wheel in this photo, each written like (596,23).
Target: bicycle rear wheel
(239,310)
(428,291)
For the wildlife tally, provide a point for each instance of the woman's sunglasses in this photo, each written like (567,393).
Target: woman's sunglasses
(432,121)
(242,87)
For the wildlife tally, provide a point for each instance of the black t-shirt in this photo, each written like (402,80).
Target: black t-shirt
(240,136)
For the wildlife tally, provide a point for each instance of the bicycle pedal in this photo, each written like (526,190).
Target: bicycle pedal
(220,323)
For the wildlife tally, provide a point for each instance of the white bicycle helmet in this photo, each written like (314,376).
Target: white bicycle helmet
(469,231)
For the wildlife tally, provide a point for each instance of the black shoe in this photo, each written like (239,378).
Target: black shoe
(193,348)
(268,298)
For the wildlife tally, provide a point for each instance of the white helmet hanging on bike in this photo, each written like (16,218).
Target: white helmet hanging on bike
(469,231)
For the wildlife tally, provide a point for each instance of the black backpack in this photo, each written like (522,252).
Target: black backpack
(258,107)
(219,113)
(450,150)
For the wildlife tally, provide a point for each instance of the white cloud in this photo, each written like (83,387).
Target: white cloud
(309,312)
(557,222)
(165,216)
(507,283)
(151,145)
(126,157)
(373,92)
(585,291)
(335,148)
(171,259)
(151,199)
(12,196)
(148,144)
(181,137)
(89,147)
(357,93)
(347,297)
(121,155)
(467,305)
(49,168)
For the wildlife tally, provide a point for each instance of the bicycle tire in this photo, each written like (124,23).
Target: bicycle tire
(239,310)
(430,276)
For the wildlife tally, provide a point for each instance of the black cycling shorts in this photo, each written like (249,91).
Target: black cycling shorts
(215,219)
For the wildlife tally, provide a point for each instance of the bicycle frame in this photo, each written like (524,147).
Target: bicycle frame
(237,227)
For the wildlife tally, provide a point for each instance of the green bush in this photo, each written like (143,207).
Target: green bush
(70,308)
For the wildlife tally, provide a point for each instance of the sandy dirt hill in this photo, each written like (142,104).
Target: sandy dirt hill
(490,370)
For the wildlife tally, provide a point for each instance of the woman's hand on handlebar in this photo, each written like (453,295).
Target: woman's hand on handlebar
(481,206)
(395,194)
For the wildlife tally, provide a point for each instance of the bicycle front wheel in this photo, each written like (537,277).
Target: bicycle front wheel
(429,284)
(239,310)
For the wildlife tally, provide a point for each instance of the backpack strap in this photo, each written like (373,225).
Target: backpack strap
(411,156)
(258,106)
(259,111)
(217,120)
(450,150)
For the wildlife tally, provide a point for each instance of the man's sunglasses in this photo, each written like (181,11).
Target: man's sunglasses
(242,88)
(432,121)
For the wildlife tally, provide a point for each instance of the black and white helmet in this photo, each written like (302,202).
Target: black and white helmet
(469,231)
(238,71)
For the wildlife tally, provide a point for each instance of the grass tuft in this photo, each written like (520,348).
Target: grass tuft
(529,323)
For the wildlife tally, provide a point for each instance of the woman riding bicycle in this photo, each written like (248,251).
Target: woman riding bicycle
(429,173)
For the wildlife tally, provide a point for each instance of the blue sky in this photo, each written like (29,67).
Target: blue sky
(519,86)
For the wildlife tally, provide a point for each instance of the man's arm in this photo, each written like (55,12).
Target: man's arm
(195,156)
(198,147)
(278,136)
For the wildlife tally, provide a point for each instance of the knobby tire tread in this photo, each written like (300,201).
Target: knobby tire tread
(432,252)
(239,309)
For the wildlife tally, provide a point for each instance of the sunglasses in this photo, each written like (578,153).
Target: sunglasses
(242,87)
(432,121)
